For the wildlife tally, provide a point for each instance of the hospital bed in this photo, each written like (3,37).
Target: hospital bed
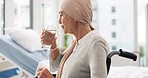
(23,59)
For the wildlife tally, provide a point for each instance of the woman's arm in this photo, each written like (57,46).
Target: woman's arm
(54,50)
(55,56)
(97,60)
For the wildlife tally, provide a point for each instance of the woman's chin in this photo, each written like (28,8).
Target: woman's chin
(65,32)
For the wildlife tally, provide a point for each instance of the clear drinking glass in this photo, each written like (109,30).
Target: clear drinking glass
(52,30)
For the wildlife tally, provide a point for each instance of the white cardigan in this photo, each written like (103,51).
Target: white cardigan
(88,59)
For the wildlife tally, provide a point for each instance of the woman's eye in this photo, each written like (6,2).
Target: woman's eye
(61,15)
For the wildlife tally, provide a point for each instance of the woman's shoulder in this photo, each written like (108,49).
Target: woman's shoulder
(97,40)
(96,36)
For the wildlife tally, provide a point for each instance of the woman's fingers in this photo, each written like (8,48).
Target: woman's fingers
(44,73)
(39,71)
(40,68)
(43,32)
(47,37)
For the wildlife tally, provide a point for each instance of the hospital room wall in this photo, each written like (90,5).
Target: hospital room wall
(143,29)
(9,13)
(146,52)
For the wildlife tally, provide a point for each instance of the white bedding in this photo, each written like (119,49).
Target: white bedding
(128,72)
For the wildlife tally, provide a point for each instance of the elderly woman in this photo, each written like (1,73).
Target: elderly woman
(86,56)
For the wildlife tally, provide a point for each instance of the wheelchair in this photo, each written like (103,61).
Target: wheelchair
(121,53)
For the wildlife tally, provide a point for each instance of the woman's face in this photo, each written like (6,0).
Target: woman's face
(68,23)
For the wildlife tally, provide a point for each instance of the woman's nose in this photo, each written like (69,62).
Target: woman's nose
(59,20)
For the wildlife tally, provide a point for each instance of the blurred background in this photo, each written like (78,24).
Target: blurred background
(123,23)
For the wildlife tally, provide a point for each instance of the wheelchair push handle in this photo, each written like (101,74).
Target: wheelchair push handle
(128,55)
(121,53)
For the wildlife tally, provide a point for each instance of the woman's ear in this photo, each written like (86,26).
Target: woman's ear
(76,22)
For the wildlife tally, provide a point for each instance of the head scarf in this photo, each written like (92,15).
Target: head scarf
(80,10)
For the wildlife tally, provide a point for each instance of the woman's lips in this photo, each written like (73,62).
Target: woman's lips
(63,27)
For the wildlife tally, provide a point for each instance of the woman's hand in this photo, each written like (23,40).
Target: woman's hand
(44,73)
(47,37)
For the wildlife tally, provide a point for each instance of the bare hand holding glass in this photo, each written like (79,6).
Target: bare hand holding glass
(48,36)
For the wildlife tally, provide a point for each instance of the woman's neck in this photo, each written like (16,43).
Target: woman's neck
(82,30)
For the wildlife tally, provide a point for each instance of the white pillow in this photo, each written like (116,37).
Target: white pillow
(27,38)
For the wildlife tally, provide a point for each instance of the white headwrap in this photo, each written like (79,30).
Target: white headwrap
(80,10)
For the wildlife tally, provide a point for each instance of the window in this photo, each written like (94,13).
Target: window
(95,14)
(114,47)
(1,16)
(113,21)
(48,13)
(113,34)
(113,9)
(22,13)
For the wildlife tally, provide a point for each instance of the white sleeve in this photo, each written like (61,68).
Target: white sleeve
(54,64)
(97,59)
